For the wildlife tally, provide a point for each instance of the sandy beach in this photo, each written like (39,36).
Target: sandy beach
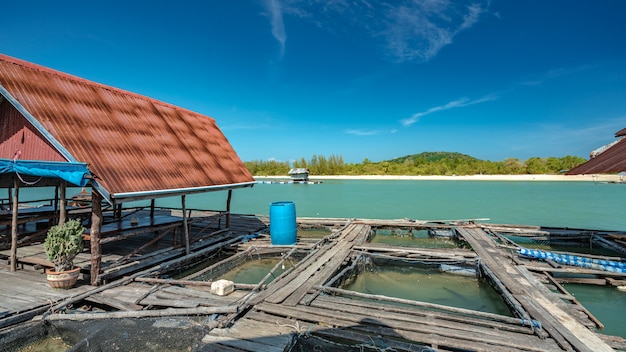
(588,178)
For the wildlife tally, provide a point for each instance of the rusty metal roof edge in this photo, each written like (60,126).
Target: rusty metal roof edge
(16,104)
(133,196)
(74,78)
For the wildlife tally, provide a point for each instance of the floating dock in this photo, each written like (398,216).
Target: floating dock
(305,307)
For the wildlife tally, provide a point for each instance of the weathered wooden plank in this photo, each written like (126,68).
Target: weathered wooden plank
(283,281)
(502,323)
(345,335)
(561,326)
(249,329)
(433,319)
(333,317)
(99,298)
(169,312)
(411,332)
(329,259)
(426,252)
(241,344)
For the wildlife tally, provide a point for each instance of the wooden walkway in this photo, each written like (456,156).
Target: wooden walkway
(526,291)
(302,307)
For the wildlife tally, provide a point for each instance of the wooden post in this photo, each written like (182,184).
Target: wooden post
(94,233)
(185,228)
(14,206)
(62,202)
(230,195)
(55,206)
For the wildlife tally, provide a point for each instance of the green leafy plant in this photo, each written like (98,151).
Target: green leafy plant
(63,244)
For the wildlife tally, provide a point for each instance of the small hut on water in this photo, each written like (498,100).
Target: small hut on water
(299,174)
(60,130)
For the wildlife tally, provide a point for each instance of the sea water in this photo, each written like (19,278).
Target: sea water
(571,204)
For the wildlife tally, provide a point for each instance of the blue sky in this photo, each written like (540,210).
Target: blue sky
(287,79)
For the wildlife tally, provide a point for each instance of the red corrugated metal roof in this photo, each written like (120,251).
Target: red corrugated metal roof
(132,143)
(621,132)
(612,160)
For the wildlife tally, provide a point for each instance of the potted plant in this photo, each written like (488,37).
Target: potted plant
(62,244)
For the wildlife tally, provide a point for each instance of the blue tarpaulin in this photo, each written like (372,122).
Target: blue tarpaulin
(72,172)
(590,263)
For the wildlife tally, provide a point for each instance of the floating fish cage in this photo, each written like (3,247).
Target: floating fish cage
(579,241)
(451,283)
(251,266)
(123,335)
(414,237)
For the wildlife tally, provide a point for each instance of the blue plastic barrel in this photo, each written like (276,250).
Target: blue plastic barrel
(283,223)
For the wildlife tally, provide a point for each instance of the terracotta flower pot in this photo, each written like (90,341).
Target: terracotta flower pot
(64,279)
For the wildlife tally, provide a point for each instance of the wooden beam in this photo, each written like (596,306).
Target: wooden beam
(94,233)
(230,195)
(62,202)
(185,227)
(14,207)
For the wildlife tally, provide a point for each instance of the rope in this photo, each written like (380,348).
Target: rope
(26,182)
(532,323)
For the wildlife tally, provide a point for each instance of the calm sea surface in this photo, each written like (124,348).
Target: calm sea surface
(566,204)
(563,204)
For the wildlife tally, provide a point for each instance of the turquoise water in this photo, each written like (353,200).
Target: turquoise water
(429,285)
(553,203)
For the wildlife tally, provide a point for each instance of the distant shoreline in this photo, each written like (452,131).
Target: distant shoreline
(588,178)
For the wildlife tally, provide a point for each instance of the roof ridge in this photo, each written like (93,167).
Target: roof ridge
(71,77)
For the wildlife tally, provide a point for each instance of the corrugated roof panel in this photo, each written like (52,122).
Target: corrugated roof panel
(132,143)
(17,135)
(612,160)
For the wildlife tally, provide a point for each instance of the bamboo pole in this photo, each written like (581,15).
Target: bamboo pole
(486,315)
(190,282)
(168,312)
(96,246)
(14,207)
(573,299)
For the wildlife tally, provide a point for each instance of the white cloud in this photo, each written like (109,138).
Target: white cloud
(357,132)
(418,30)
(363,133)
(276,21)
(404,30)
(451,105)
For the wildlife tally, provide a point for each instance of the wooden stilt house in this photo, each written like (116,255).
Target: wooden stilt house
(60,130)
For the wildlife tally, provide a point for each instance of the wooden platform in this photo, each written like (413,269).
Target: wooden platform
(304,304)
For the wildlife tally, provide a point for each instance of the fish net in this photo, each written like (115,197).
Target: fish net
(309,342)
(158,334)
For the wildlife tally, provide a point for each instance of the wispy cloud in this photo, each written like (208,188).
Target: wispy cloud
(404,30)
(276,20)
(451,105)
(369,132)
(418,30)
(556,73)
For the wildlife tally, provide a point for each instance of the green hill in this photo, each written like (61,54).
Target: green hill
(433,157)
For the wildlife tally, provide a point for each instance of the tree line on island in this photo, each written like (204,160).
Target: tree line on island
(425,164)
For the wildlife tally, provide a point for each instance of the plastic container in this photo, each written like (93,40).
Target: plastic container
(283,227)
